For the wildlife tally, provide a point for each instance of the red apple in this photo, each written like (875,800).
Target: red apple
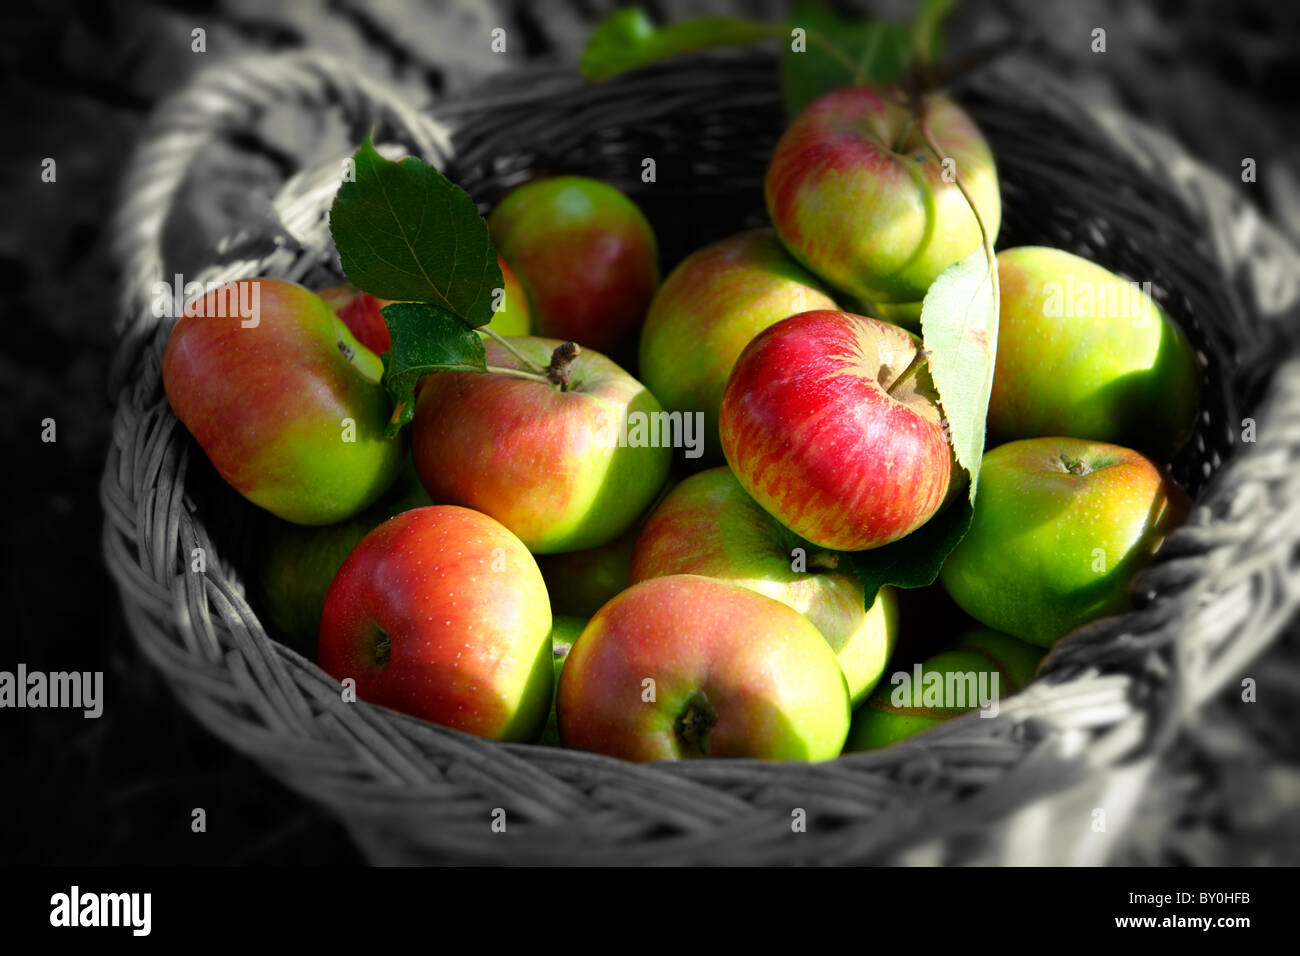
(687,666)
(586,256)
(823,430)
(360,311)
(283,399)
(547,460)
(441,613)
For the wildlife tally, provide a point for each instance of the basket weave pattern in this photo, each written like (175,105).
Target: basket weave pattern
(972,790)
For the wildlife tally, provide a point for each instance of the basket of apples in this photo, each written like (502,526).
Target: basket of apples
(709,458)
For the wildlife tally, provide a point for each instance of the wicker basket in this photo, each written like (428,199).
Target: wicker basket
(1021,787)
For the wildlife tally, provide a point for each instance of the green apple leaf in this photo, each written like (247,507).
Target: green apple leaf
(627,39)
(406,232)
(426,338)
(959,330)
(914,561)
(833,53)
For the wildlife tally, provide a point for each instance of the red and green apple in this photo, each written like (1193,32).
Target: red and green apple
(826,428)
(708,310)
(586,257)
(858,197)
(1082,352)
(688,666)
(561,462)
(441,613)
(361,311)
(283,399)
(1061,526)
(709,525)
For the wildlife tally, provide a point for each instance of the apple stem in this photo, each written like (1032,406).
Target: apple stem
(920,109)
(904,133)
(824,561)
(520,373)
(561,360)
(383,649)
(1074,466)
(921,76)
(919,359)
(693,725)
(523,359)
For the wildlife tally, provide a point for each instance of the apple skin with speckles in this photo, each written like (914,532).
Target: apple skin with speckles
(858,197)
(1082,352)
(708,525)
(717,299)
(441,613)
(1061,526)
(586,256)
(686,666)
(546,461)
(813,432)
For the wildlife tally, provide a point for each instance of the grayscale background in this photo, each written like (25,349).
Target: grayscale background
(79,81)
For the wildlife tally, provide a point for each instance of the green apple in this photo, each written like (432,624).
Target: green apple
(906,314)
(565,463)
(580,582)
(283,399)
(1081,352)
(979,671)
(1061,526)
(296,563)
(707,311)
(1017,660)
(564,631)
(928,618)
(688,666)
(709,525)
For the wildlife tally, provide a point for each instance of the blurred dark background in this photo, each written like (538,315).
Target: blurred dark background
(79,81)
